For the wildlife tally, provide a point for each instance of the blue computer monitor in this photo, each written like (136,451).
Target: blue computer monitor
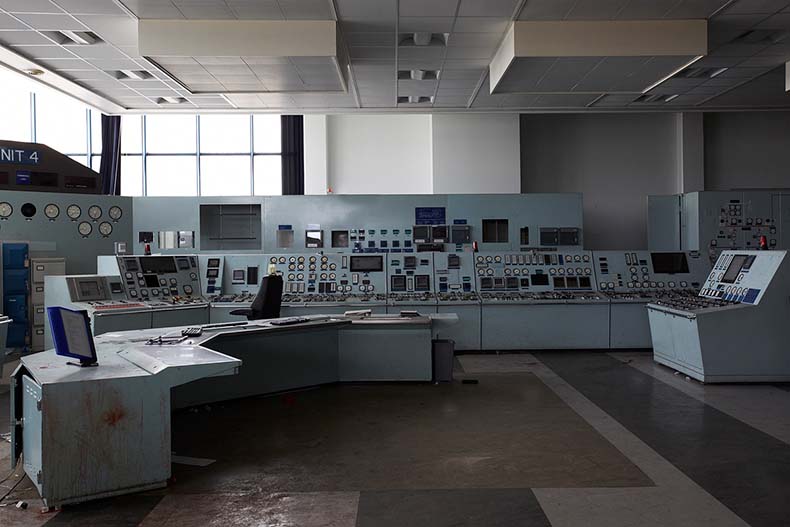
(72,335)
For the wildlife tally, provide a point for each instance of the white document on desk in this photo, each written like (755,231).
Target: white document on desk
(76,332)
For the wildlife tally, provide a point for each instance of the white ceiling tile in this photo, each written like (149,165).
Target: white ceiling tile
(756,6)
(49,22)
(780,21)
(10,38)
(546,9)
(370,39)
(204,10)
(646,9)
(596,9)
(97,51)
(364,25)
(489,40)
(29,6)
(153,9)
(481,25)
(359,52)
(8,22)
(366,9)
(503,8)
(421,8)
(43,52)
(306,9)
(696,9)
(256,9)
(434,24)
(471,53)
(420,53)
(90,7)
(564,100)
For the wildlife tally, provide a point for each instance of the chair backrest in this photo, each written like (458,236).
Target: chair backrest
(269,298)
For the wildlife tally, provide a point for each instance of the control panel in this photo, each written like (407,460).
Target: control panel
(742,276)
(161,280)
(535,275)
(454,277)
(649,275)
(100,293)
(410,278)
(741,225)
(332,277)
(214,267)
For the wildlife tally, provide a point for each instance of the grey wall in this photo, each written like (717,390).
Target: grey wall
(616,160)
(747,150)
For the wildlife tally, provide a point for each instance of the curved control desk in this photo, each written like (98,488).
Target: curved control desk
(88,433)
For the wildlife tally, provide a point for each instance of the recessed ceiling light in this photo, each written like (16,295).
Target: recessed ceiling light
(34,72)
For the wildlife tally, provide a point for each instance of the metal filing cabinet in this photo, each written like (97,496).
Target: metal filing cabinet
(40,268)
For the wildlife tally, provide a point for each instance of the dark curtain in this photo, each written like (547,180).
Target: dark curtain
(110,169)
(293,154)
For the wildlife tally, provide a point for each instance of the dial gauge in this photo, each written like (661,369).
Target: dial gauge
(6,209)
(52,211)
(94,212)
(115,212)
(74,212)
(85,228)
(105,228)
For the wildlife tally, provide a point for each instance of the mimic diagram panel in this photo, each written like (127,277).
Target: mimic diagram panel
(72,226)
(161,279)
(534,271)
(742,276)
(629,271)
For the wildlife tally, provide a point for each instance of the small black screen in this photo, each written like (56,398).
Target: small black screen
(422,282)
(732,272)
(366,264)
(151,280)
(398,282)
(669,263)
(158,264)
(131,264)
(213,262)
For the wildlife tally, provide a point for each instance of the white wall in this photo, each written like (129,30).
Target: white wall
(379,154)
(747,150)
(476,153)
(315,155)
(616,160)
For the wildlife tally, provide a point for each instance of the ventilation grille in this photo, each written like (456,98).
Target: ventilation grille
(415,99)
(418,75)
(73,38)
(423,39)
(655,98)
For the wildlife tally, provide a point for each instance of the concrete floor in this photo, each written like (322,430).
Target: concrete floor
(548,439)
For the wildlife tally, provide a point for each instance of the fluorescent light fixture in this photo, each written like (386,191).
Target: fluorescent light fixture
(662,81)
(81,38)
(671,97)
(718,72)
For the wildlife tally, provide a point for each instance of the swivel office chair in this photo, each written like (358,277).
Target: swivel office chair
(266,303)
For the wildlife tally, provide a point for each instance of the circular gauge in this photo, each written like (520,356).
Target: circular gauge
(115,213)
(282,259)
(94,212)
(273,260)
(105,228)
(85,228)
(28,210)
(74,212)
(52,211)
(6,209)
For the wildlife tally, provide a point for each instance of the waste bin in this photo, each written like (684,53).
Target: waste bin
(443,356)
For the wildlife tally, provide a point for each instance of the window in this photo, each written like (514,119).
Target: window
(170,176)
(225,176)
(161,154)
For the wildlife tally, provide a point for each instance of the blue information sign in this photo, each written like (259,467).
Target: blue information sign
(429,216)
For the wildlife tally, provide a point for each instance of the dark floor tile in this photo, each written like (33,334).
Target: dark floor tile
(456,508)
(509,431)
(745,469)
(123,511)
(783,386)
(457,366)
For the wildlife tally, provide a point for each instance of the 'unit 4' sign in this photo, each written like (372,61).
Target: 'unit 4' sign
(18,156)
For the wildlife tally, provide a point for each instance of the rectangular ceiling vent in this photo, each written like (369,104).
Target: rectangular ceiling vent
(762,36)
(654,98)
(415,99)
(73,38)
(700,73)
(126,75)
(418,75)
(170,100)
(423,39)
